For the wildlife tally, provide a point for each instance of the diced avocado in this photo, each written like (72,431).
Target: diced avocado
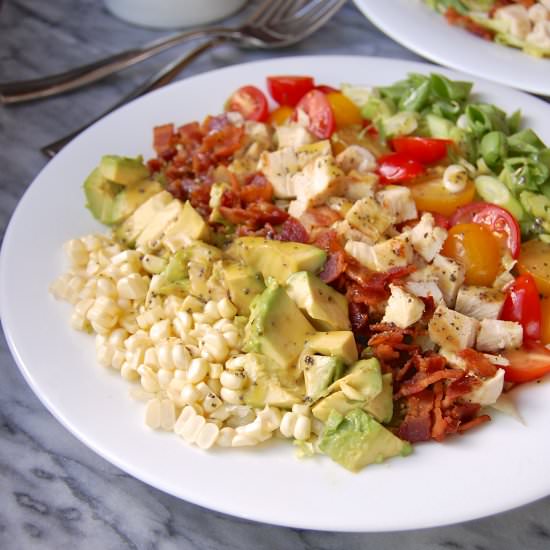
(364,377)
(276,259)
(188,226)
(174,278)
(216,192)
(381,406)
(202,252)
(132,196)
(319,372)
(123,170)
(129,231)
(244,284)
(270,392)
(337,401)
(326,308)
(336,344)
(154,230)
(100,197)
(276,327)
(357,439)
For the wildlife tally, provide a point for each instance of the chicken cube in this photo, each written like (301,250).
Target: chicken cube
(495,335)
(489,390)
(367,216)
(540,35)
(452,330)
(450,277)
(516,18)
(479,302)
(425,289)
(403,309)
(355,157)
(398,201)
(395,252)
(426,239)
(344,229)
(293,136)
(361,188)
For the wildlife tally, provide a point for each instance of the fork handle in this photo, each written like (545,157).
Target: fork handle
(163,77)
(27,90)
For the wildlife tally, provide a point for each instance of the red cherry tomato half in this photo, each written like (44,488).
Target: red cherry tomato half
(398,168)
(441,221)
(422,149)
(288,90)
(496,218)
(522,305)
(530,362)
(321,118)
(250,102)
(326,89)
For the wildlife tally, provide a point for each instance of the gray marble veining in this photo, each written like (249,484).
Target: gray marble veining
(54,492)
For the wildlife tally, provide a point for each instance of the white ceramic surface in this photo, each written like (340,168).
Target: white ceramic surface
(169,14)
(502,465)
(414,25)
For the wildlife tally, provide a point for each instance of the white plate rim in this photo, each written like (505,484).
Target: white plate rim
(420,29)
(332,475)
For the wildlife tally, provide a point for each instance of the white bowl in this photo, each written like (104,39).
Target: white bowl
(172,13)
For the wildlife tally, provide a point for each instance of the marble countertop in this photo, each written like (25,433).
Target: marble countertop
(55,493)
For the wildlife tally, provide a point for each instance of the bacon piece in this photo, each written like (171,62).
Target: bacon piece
(456,18)
(257,188)
(422,380)
(323,216)
(417,424)
(459,388)
(359,317)
(292,230)
(335,265)
(162,138)
(477,362)
(329,241)
(473,423)
(223,142)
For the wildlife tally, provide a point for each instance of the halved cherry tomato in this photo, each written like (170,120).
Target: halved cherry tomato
(430,195)
(530,362)
(398,168)
(281,115)
(545,320)
(325,89)
(250,102)
(534,258)
(441,221)
(496,218)
(288,90)
(321,118)
(522,305)
(346,113)
(426,150)
(476,248)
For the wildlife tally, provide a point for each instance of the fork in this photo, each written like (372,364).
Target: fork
(271,30)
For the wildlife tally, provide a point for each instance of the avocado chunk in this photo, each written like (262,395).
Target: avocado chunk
(319,372)
(276,259)
(270,383)
(339,343)
(276,327)
(243,284)
(123,170)
(174,278)
(364,378)
(132,196)
(189,225)
(357,439)
(100,197)
(326,308)
(381,406)
(129,231)
(151,235)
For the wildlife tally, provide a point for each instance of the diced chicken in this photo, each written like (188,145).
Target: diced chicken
(516,18)
(398,201)
(498,360)
(450,277)
(339,204)
(453,359)
(344,229)
(395,252)
(540,35)
(425,289)
(258,132)
(495,335)
(479,302)
(361,187)
(503,280)
(367,216)
(355,157)
(293,136)
(545,3)
(537,12)
(426,239)
(403,309)
(452,330)
(489,390)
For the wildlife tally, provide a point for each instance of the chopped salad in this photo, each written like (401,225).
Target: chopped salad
(522,24)
(356,269)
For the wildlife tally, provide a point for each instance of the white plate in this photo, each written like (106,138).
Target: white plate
(502,465)
(417,27)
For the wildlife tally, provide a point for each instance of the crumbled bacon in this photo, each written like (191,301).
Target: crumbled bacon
(421,380)
(335,265)
(162,138)
(456,18)
(477,363)
(292,230)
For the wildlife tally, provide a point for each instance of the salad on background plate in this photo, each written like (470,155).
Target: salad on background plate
(357,269)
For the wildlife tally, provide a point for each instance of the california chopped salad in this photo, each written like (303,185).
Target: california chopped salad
(355,270)
(522,24)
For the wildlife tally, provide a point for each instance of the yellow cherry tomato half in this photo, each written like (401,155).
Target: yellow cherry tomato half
(545,318)
(281,115)
(430,195)
(477,249)
(534,258)
(345,112)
